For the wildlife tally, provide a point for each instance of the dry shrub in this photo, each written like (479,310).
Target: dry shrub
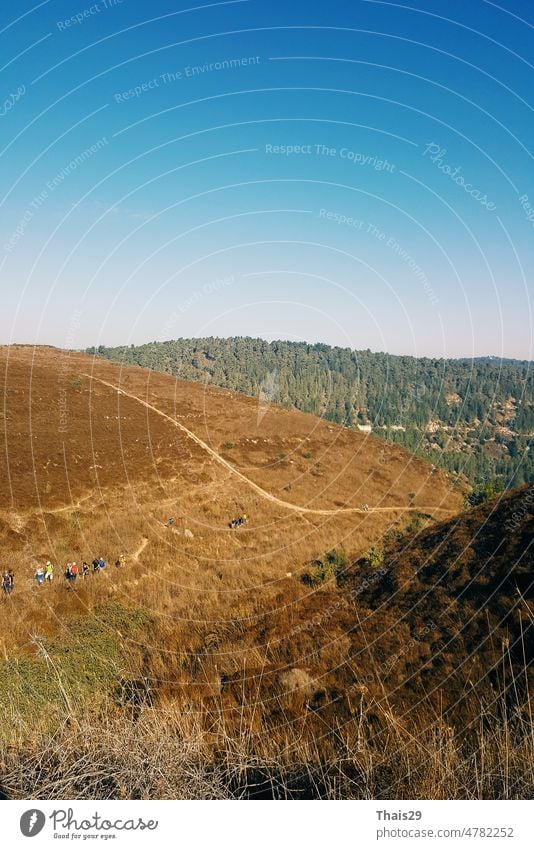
(163,755)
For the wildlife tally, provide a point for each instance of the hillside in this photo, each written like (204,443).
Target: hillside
(471,417)
(77,429)
(471,579)
(322,648)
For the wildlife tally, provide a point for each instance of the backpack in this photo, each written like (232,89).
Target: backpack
(74,570)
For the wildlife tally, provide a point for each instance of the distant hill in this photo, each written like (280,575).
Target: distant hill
(493,360)
(473,417)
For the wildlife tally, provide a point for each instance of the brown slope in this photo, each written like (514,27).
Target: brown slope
(67,430)
(441,632)
(286,505)
(452,608)
(91,470)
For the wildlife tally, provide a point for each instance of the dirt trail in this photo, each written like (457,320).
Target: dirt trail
(72,506)
(256,487)
(137,553)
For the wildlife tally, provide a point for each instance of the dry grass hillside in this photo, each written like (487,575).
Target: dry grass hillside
(90,469)
(300,654)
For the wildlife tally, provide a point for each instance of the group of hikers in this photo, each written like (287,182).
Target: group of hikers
(236,523)
(71,572)
(46,573)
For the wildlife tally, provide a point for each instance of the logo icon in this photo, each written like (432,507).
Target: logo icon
(32,822)
(269,389)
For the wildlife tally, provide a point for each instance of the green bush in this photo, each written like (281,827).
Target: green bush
(415,524)
(77,671)
(374,556)
(328,569)
(481,494)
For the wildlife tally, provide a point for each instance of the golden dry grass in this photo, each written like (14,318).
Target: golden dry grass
(206,657)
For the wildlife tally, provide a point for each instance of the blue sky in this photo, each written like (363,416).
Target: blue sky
(354,173)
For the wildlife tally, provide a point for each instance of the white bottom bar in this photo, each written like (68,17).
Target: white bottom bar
(269,825)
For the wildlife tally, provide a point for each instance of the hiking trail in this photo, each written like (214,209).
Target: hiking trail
(295,508)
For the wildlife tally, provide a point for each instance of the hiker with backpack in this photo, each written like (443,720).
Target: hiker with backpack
(71,572)
(120,561)
(6,583)
(96,565)
(39,575)
(11,576)
(101,563)
(85,569)
(49,572)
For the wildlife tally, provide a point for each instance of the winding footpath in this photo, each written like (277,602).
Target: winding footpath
(295,508)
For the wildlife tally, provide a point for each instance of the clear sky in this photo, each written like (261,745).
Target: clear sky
(358,173)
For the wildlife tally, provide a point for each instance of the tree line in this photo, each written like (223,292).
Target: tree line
(473,417)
